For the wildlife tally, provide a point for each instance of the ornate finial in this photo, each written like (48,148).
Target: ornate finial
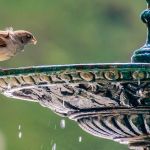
(148,2)
(142,55)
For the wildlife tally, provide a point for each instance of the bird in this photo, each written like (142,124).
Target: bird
(13,42)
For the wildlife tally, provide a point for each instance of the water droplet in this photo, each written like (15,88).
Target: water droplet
(9,86)
(19,127)
(62,123)
(139,82)
(63,103)
(52,142)
(80,138)
(49,123)
(20,135)
(54,146)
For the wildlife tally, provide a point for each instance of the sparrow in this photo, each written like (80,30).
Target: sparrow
(13,42)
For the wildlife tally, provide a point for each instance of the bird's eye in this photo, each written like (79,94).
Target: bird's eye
(28,36)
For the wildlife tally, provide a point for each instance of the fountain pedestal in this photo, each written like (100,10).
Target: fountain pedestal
(111,101)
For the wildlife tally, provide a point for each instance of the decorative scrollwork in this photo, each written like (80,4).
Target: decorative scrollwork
(108,102)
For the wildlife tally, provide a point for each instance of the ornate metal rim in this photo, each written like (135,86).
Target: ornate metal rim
(77,67)
(116,72)
(14,82)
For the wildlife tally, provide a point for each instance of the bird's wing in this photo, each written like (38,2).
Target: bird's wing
(4,34)
(2,42)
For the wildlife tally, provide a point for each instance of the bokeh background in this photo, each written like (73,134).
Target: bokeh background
(68,31)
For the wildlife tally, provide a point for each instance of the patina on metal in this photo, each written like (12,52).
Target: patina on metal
(111,101)
(143,54)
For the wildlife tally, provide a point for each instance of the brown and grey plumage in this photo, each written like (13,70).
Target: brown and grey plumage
(13,42)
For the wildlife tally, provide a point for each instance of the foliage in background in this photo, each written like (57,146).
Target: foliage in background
(68,31)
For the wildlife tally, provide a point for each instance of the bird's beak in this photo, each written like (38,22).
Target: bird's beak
(34,41)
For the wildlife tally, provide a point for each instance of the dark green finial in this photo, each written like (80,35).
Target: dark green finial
(148,2)
(142,55)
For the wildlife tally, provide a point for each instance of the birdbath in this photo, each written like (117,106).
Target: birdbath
(109,101)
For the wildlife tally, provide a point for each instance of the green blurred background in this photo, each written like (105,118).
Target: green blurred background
(68,31)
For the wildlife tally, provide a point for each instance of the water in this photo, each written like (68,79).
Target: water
(52,142)
(55,127)
(49,123)
(20,135)
(139,82)
(54,146)
(63,103)
(80,138)
(19,127)
(20,132)
(9,86)
(62,124)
